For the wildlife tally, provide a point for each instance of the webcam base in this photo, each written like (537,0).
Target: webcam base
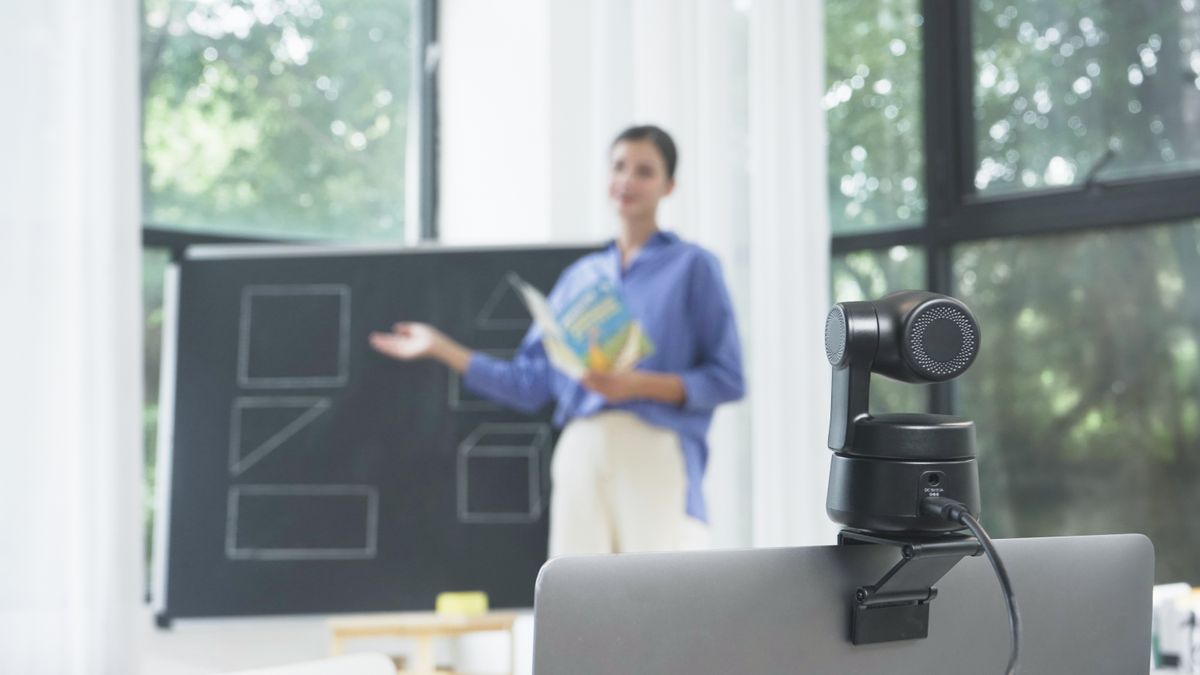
(897,606)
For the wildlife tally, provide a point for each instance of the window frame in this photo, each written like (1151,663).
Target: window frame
(957,213)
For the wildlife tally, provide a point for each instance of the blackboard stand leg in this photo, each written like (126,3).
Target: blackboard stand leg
(163,620)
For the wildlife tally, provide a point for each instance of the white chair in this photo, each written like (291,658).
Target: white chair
(350,664)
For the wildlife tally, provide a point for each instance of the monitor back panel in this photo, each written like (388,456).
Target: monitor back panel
(1084,603)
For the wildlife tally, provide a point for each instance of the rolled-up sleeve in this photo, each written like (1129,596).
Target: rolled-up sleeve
(524,383)
(717,375)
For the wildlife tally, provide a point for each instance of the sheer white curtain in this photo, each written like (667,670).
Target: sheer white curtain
(70,412)
(789,273)
(680,64)
(738,84)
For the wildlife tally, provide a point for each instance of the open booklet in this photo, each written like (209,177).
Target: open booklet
(592,331)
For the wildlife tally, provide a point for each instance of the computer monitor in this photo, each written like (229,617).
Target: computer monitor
(1084,603)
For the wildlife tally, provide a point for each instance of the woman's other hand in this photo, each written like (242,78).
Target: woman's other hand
(636,384)
(614,387)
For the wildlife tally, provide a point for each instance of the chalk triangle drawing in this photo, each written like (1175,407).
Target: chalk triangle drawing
(503,310)
(261,424)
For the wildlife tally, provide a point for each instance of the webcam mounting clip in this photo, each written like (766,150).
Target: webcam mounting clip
(897,606)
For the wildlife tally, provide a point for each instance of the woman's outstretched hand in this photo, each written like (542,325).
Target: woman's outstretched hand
(408,341)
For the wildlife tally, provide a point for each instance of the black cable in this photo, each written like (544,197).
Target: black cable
(1014,616)
(959,513)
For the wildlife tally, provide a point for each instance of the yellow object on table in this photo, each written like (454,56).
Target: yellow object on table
(468,603)
(423,627)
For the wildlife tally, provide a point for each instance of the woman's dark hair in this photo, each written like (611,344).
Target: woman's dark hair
(661,139)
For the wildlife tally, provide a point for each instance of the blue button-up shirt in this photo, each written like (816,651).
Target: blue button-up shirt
(676,290)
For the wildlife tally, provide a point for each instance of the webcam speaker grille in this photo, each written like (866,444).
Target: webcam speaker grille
(835,336)
(934,330)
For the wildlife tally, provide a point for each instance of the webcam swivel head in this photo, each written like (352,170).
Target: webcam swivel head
(911,336)
(884,465)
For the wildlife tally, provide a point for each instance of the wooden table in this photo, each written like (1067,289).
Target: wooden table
(422,627)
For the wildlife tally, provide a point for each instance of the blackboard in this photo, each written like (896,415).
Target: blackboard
(301,472)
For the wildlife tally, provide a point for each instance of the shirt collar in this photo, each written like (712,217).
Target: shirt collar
(659,238)
(656,241)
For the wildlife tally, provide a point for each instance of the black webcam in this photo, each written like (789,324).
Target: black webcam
(885,465)
(906,480)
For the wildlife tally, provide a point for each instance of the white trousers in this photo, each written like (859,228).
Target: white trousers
(619,485)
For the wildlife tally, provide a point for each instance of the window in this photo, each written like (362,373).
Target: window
(1087,393)
(299,121)
(873,104)
(277,119)
(1062,204)
(1058,85)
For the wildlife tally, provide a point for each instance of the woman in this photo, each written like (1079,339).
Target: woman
(628,469)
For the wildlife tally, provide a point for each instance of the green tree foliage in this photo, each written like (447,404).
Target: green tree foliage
(1057,83)
(1086,391)
(873,111)
(281,118)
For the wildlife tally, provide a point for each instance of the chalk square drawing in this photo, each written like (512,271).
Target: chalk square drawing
(523,445)
(462,400)
(294,336)
(504,309)
(283,417)
(302,522)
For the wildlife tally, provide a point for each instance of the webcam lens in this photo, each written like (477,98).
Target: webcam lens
(943,340)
